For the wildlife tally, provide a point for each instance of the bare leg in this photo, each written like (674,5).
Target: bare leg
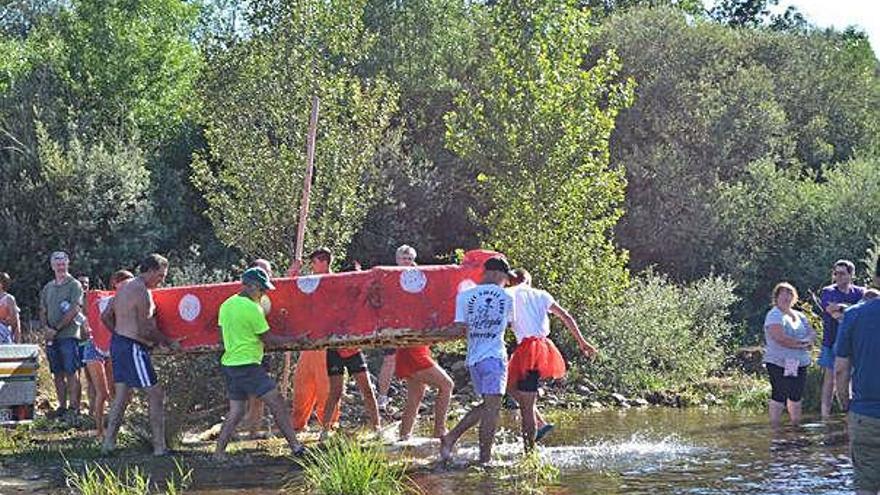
(90,389)
(488,425)
(527,406)
(336,382)
(282,417)
(776,409)
(156,398)
(415,390)
(74,390)
(794,412)
(60,389)
(117,411)
(236,412)
(827,392)
(437,378)
(386,373)
(254,416)
(99,384)
(447,442)
(366,387)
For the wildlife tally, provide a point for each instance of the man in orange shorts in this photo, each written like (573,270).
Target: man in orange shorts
(535,357)
(311,385)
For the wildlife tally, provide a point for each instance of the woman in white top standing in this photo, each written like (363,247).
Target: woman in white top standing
(536,357)
(789,338)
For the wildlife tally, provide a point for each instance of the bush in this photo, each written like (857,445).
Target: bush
(780,225)
(662,335)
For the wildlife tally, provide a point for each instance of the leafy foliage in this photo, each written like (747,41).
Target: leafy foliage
(256,99)
(661,335)
(535,124)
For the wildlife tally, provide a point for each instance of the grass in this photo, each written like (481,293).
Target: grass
(344,466)
(100,479)
(530,474)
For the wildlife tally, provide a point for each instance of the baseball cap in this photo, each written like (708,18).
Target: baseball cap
(59,255)
(257,276)
(497,264)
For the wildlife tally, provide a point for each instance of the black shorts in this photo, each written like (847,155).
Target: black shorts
(784,388)
(250,380)
(529,383)
(336,364)
(388,351)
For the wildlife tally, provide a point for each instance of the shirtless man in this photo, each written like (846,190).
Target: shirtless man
(131,317)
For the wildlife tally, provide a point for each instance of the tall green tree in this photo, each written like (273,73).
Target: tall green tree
(536,124)
(255,106)
(710,101)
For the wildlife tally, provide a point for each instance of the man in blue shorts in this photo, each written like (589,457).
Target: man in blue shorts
(485,311)
(245,333)
(61,302)
(858,352)
(131,317)
(834,299)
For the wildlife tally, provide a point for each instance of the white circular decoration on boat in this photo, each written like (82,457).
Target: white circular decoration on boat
(266,304)
(103,303)
(466,284)
(189,307)
(308,284)
(413,280)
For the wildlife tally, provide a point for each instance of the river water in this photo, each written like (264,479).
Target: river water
(653,450)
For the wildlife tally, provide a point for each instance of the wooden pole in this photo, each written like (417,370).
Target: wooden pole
(303,215)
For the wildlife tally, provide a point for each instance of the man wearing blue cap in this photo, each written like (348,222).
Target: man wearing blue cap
(245,333)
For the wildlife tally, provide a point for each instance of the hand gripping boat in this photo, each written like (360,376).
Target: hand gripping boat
(383,306)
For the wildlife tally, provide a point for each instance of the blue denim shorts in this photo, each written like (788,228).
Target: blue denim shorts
(91,353)
(826,358)
(489,376)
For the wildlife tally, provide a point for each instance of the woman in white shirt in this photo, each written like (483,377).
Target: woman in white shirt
(789,337)
(536,357)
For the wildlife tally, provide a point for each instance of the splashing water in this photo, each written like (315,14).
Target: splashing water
(640,450)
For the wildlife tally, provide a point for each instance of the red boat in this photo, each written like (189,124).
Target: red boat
(383,306)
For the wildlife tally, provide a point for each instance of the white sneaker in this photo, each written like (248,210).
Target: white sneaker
(383,401)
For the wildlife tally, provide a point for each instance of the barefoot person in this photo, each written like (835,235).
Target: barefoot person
(131,317)
(415,366)
(404,256)
(10,322)
(485,311)
(245,333)
(857,351)
(788,337)
(834,299)
(535,357)
(61,302)
(96,376)
(311,385)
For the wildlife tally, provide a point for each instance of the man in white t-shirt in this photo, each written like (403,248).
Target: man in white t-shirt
(485,311)
(536,357)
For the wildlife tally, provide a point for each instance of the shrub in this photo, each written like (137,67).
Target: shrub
(662,335)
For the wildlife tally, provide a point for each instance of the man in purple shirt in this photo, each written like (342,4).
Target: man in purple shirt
(834,299)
